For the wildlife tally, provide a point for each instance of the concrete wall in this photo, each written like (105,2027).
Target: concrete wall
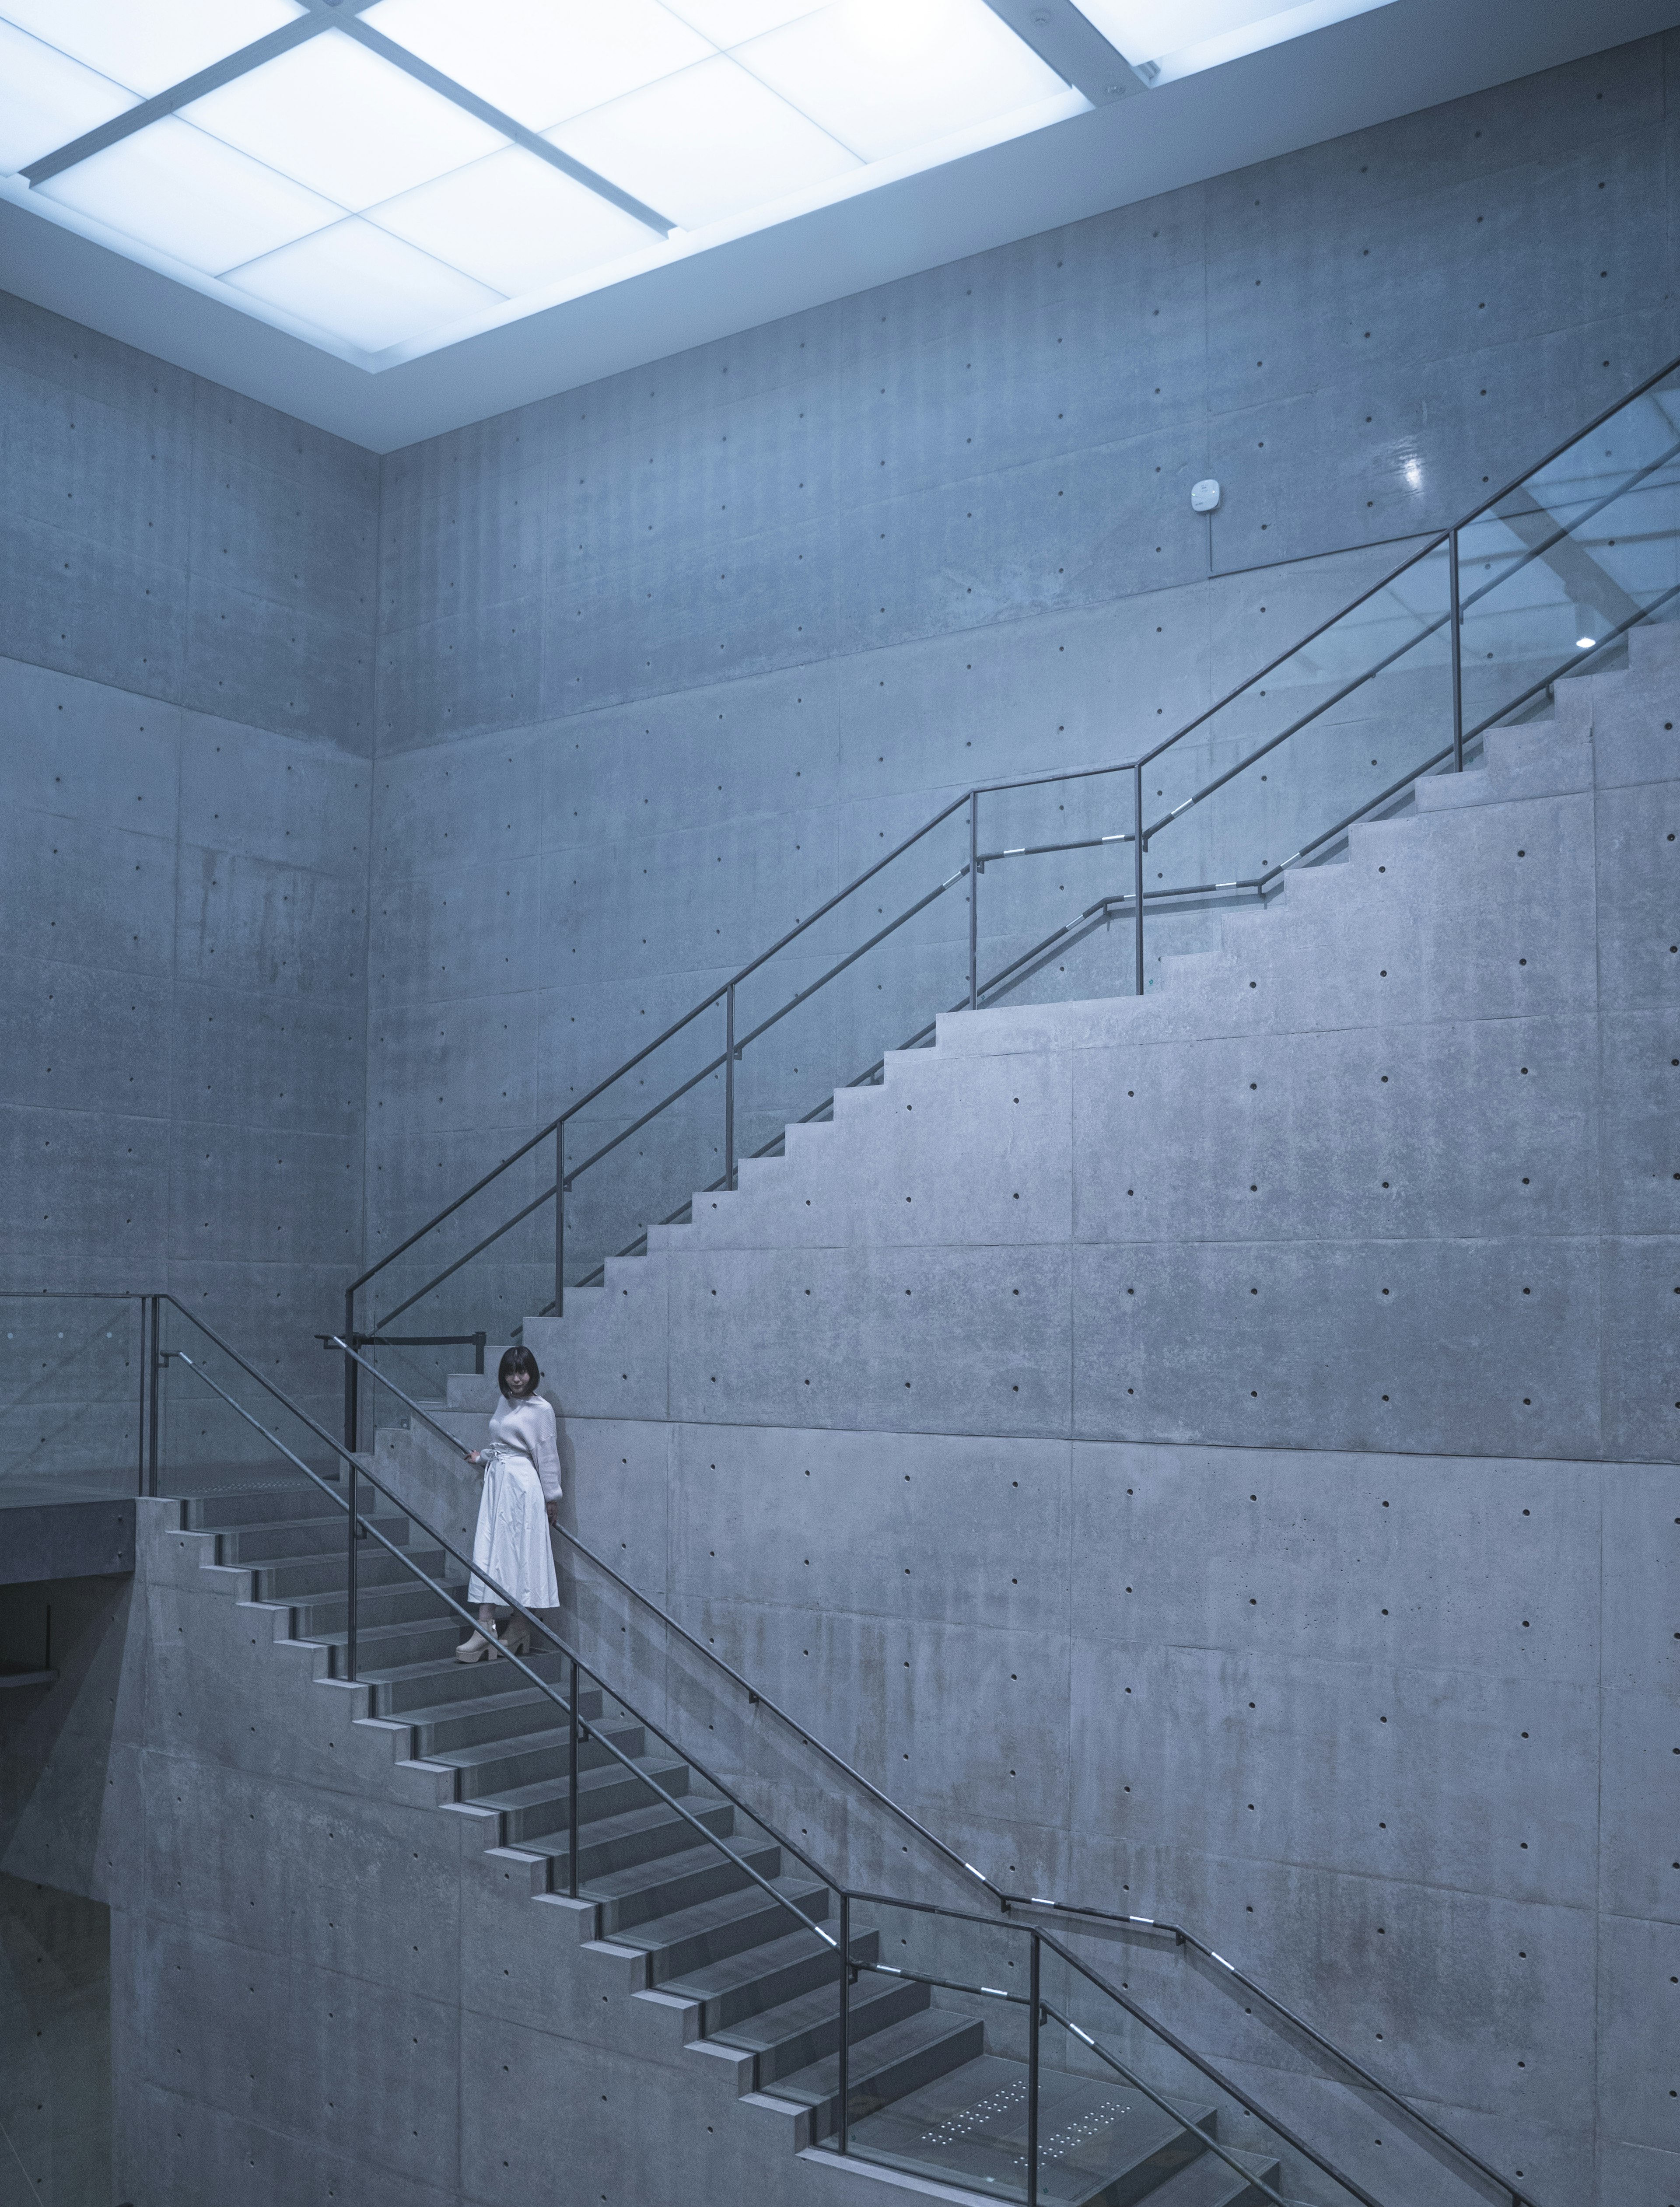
(54,2025)
(1187,1448)
(664,660)
(186,591)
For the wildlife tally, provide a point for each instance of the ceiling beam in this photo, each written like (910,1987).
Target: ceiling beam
(1071,44)
(400,58)
(165,103)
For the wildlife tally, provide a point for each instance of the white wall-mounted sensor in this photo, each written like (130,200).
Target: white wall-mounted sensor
(1203,496)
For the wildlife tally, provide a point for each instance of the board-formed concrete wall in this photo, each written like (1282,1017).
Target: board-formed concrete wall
(186,594)
(663,660)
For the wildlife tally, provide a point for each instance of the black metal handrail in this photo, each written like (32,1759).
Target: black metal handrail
(1010,1904)
(1139,836)
(362,1527)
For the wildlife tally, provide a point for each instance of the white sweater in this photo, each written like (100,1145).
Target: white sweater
(529,1427)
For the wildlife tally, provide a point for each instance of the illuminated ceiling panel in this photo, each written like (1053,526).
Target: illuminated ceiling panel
(150,44)
(393,175)
(1164,40)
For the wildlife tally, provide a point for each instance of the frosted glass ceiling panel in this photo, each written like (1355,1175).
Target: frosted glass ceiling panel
(345,122)
(150,44)
(363,285)
(46,100)
(191,196)
(514,223)
(707,143)
(541,60)
(727,22)
(883,77)
(1179,36)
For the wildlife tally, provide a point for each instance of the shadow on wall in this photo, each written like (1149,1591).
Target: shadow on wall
(55,2046)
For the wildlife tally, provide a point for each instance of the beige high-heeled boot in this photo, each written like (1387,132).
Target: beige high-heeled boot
(515,1635)
(477,1649)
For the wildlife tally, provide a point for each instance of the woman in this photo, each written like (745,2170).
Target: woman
(521,1499)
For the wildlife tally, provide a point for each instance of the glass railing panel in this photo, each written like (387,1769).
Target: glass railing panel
(1127,2103)
(865,978)
(937,2028)
(70,1392)
(1334,734)
(680,1679)
(638,1153)
(1553,576)
(1057,890)
(220,1424)
(430,1301)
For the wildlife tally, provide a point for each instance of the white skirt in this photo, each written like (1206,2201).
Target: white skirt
(512,1544)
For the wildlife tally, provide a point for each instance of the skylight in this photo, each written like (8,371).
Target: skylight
(1164,40)
(381,177)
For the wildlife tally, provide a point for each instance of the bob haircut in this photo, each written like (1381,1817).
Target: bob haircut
(517,1363)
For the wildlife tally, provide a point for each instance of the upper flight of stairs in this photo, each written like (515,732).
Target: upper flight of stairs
(761,1988)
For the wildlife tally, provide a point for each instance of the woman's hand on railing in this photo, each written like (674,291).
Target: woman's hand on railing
(475,1456)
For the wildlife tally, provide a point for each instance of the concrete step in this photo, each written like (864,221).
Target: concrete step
(681,1943)
(541,1755)
(325,1617)
(505,1708)
(1210,2182)
(543,1805)
(1099,2143)
(289,1540)
(251,1506)
(786,2039)
(742,1985)
(904,2057)
(432,1681)
(610,1844)
(651,1892)
(296,1579)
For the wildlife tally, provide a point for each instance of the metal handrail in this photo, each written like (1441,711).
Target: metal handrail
(1444,537)
(367,1528)
(1010,1902)
(754,1694)
(360,1524)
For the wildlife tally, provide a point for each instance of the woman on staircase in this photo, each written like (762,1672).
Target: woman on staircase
(521,1499)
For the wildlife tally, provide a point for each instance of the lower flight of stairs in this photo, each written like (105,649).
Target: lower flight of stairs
(927,2097)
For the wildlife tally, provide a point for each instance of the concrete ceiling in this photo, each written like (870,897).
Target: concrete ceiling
(1392,62)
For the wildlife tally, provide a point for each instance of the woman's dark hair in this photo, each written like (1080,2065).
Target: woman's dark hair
(519,1362)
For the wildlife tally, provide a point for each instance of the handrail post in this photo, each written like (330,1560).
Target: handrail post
(350,1403)
(1458,657)
(973,900)
(1033,2081)
(571,1793)
(139,1435)
(559,1221)
(1138,870)
(350,1582)
(844,2079)
(479,1340)
(156,1372)
(729,1087)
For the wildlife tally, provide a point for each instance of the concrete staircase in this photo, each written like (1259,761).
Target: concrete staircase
(757,1989)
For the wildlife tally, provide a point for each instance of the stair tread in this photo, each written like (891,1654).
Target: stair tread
(712,1915)
(628,1824)
(554,1789)
(665,1869)
(712,1979)
(913,2034)
(1210,2182)
(770,2026)
(970,2125)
